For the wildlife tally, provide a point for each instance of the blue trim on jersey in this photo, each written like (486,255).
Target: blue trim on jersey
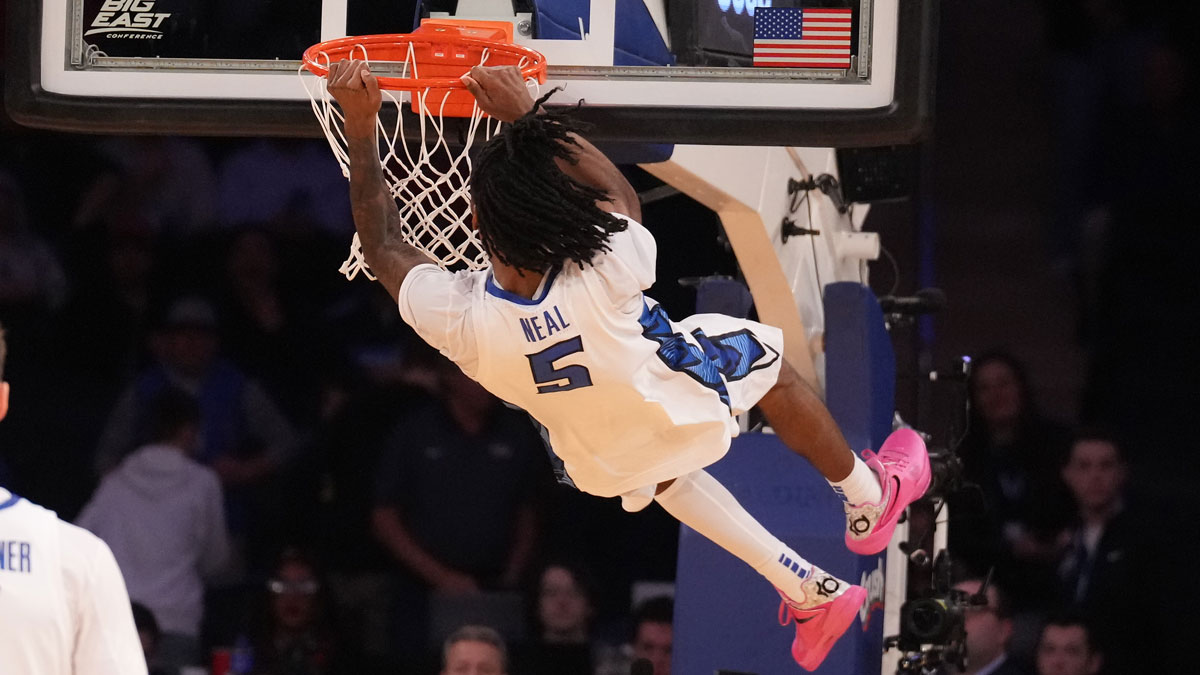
(498,292)
(13,499)
(556,463)
(717,359)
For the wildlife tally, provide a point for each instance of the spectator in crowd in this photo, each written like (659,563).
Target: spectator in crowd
(1012,453)
(288,184)
(31,277)
(653,633)
(267,332)
(161,512)
(97,346)
(1109,550)
(563,614)
(65,608)
(170,179)
(293,633)
(244,436)
(989,632)
(339,469)
(379,347)
(474,650)
(1067,647)
(456,496)
(149,634)
(113,296)
(1143,75)
(564,604)
(33,286)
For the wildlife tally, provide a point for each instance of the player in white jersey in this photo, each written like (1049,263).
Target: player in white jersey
(63,605)
(633,404)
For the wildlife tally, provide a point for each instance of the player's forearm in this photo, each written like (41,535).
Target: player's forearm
(376,217)
(593,168)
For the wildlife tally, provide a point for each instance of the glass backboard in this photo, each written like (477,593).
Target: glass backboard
(831,73)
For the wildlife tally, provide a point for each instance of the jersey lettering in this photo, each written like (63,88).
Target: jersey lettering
(538,328)
(15,556)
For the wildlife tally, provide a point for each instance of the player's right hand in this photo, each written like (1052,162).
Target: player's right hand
(356,90)
(500,90)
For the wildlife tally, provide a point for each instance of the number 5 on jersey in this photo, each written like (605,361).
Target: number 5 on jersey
(549,377)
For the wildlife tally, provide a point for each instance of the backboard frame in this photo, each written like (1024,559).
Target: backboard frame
(903,120)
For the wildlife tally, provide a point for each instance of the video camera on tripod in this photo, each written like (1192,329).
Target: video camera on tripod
(932,627)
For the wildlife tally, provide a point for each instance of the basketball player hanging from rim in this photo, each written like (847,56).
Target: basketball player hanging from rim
(633,404)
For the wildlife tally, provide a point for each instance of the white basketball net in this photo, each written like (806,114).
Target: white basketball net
(429,183)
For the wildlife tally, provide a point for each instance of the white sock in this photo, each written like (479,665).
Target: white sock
(704,505)
(860,487)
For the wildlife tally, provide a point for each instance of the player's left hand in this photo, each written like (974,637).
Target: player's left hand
(500,90)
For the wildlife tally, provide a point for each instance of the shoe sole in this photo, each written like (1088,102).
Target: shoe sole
(879,540)
(838,620)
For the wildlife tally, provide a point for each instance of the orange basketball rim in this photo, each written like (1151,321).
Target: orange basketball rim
(432,58)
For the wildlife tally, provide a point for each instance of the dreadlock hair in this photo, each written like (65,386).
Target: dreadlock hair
(530,214)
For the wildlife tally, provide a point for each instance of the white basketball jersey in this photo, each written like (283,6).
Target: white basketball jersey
(628,397)
(63,605)
(36,631)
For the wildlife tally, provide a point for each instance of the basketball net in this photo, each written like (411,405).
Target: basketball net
(425,175)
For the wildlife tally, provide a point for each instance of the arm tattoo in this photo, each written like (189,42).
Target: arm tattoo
(377,218)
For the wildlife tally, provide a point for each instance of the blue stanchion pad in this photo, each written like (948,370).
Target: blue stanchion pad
(725,613)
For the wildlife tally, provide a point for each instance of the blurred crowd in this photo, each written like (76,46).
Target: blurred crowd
(1122,89)
(291,481)
(1050,519)
(1078,525)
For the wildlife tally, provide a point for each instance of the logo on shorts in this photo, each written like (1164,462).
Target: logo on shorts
(134,19)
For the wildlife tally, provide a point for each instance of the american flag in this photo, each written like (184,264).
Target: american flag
(794,37)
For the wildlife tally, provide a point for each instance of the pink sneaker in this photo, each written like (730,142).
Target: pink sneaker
(903,469)
(820,626)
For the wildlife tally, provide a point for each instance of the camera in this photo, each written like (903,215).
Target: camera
(933,627)
(933,634)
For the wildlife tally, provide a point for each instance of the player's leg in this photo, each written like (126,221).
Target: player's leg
(801,420)
(875,491)
(699,501)
(822,605)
